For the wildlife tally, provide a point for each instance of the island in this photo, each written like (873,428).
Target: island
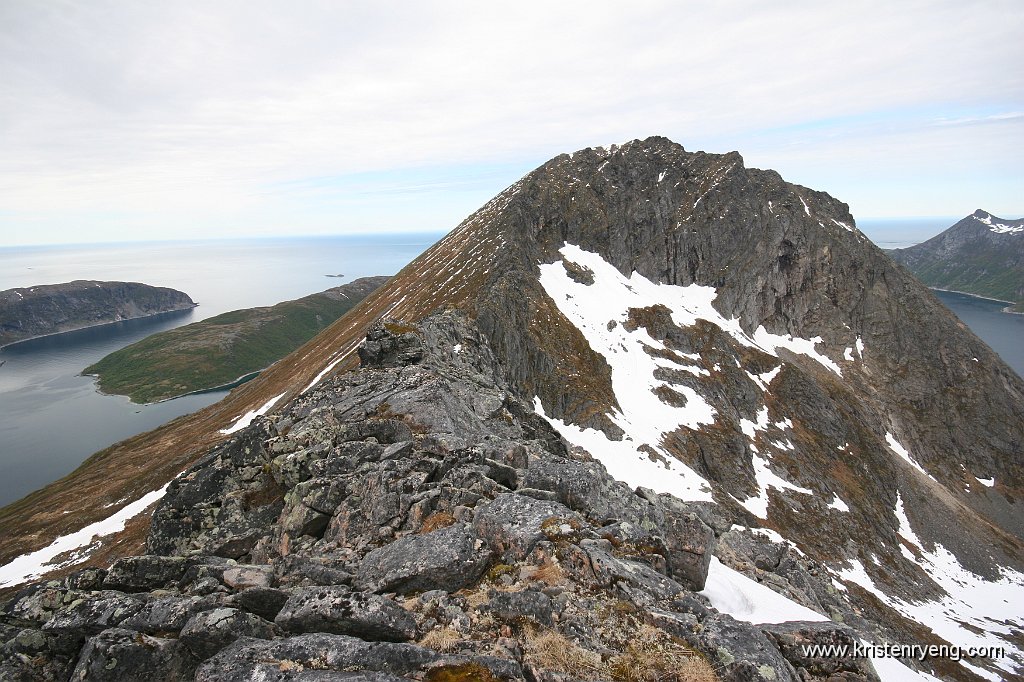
(27,313)
(223,351)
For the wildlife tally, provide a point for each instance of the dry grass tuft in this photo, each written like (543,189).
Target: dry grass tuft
(436,521)
(654,656)
(552,651)
(445,640)
(549,572)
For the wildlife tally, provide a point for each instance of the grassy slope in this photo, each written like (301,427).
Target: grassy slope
(219,350)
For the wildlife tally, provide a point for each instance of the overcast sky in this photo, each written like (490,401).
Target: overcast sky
(147,120)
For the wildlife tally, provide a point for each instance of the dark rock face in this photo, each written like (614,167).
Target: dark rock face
(341,611)
(54,308)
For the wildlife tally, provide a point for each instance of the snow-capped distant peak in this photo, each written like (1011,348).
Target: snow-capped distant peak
(997,227)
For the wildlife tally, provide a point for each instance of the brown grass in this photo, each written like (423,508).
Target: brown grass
(445,640)
(436,521)
(551,650)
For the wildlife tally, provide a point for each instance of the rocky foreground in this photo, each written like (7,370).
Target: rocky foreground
(26,313)
(414,520)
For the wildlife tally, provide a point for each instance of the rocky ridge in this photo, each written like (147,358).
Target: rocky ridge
(53,308)
(414,520)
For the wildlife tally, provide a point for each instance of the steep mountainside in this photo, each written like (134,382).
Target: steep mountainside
(222,349)
(699,329)
(981,255)
(53,308)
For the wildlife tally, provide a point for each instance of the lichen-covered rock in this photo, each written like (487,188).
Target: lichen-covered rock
(741,652)
(208,632)
(144,573)
(249,659)
(795,639)
(513,524)
(95,613)
(116,655)
(263,601)
(446,559)
(341,611)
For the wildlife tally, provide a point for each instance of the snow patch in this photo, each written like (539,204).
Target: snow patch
(895,446)
(998,228)
(989,482)
(247,418)
(457,348)
(731,592)
(838,504)
(625,462)
(30,566)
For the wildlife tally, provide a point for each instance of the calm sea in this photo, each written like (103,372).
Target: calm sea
(51,418)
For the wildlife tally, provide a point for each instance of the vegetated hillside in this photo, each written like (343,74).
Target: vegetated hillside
(981,255)
(702,330)
(53,308)
(223,349)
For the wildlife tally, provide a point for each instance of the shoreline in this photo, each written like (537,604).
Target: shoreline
(1009,304)
(98,324)
(234,383)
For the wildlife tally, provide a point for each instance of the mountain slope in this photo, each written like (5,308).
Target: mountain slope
(53,308)
(711,331)
(222,349)
(981,255)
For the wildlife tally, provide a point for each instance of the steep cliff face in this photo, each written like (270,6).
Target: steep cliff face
(702,331)
(53,308)
(981,254)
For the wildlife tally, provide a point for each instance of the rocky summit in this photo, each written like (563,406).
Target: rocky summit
(646,413)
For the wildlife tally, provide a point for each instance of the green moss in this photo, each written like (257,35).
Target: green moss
(466,672)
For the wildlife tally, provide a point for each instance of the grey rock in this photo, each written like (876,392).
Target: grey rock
(94,613)
(264,602)
(117,655)
(446,559)
(526,604)
(740,652)
(513,524)
(794,638)
(341,611)
(208,632)
(144,573)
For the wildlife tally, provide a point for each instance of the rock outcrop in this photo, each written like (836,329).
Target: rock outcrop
(53,308)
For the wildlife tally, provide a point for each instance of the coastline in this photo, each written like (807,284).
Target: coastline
(1009,304)
(234,383)
(98,324)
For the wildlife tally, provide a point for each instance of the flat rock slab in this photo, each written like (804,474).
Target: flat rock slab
(513,524)
(446,559)
(116,655)
(341,611)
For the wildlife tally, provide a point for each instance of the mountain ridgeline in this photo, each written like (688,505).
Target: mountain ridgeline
(589,427)
(981,255)
(26,313)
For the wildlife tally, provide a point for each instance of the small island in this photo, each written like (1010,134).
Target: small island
(223,351)
(27,313)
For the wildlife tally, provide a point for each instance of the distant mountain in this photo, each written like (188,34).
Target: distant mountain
(221,350)
(53,308)
(643,396)
(981,255)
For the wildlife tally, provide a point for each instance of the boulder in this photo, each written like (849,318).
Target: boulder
(513,524)
(446,559)
(210,631)
(794,638)
(117,655)
(341,611)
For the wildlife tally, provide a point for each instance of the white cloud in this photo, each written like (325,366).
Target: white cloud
(202,115)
